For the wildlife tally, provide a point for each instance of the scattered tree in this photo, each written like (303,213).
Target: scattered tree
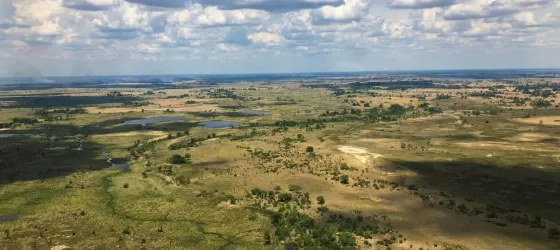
(320,200)
(309,149)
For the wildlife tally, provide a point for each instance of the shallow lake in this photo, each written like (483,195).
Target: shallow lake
(255,112)
(220,124)
(8,218)
(153,120)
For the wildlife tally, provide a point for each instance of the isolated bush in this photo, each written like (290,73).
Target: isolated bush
(320,200)
(176,159)
(309,149)
(344,179)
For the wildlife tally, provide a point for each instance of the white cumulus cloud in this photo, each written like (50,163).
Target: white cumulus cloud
(265,38)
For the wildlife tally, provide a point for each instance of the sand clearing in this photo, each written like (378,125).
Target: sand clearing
(360,153)
(352,150)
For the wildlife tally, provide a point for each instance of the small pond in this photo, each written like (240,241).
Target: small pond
(220,124)
(153,120)
(255,112)
(8,218)
(125,167)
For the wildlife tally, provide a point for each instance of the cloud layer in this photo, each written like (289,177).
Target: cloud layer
(50,37)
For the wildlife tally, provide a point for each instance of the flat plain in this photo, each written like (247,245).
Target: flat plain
(403,163)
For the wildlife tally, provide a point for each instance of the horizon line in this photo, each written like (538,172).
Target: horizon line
(285,73)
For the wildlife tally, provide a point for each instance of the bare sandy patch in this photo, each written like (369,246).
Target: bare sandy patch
(546,120)
(359,153)
(352,150)
(499,145)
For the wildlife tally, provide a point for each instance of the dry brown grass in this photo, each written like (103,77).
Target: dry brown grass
(531,137)
(546,120)
(422,225)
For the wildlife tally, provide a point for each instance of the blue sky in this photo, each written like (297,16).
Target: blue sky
(111,37)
